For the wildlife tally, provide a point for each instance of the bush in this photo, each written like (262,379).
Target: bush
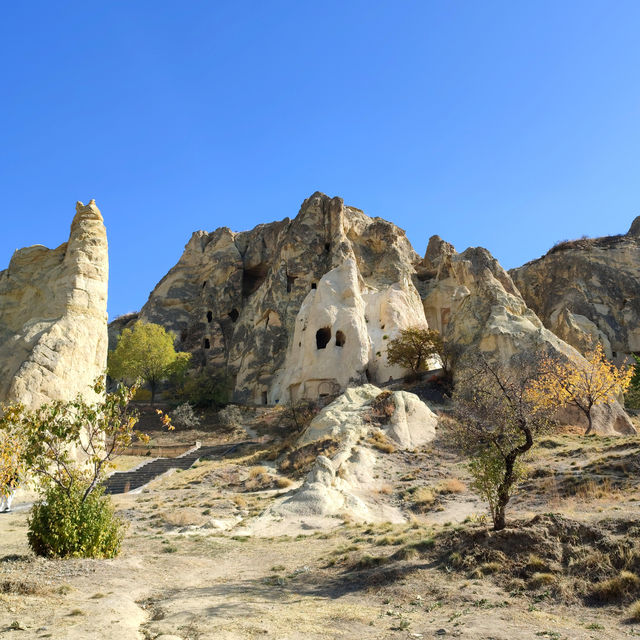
(205,390)
(64,525)
(184,417)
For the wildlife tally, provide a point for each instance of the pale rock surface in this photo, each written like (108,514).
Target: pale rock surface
(356,322)
(347,483)
(53,315)
(475,304)
(588,291)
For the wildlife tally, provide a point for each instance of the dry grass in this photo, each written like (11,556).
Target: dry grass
(422,499)
(451,485)
(542,579)
(379,441)
(183,517)
(616,588)
(634,612)
(300,461)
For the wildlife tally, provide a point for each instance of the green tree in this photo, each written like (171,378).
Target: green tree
(413,348)
(67,449)
(146,352)
(632,396)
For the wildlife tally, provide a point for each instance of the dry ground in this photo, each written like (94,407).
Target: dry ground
(188,571)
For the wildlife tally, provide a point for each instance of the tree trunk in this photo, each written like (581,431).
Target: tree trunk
(153,385)
(590,420)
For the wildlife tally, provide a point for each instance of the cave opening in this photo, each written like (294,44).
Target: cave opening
(209,316)
(253,278)
(340,338)
(234,315)
(290,282)
(322,337)
(314,285)
(207,343)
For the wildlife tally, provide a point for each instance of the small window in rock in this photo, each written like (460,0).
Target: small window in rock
(382,327)
(207,343)
(327,246)
(264,397)
(614,354)
(209,316)
(368,374)
(314,285)
(340,338)
(322,337)
(234,315)
(204,284)
(290,281)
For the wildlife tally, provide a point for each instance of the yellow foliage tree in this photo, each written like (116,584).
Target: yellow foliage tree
(11,461)
(583,384)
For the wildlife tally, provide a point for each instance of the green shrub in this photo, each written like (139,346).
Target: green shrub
(64,525)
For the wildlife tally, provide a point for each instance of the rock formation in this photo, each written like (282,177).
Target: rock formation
(588,290)
(474,303)
(53,315)
(349,482)
(324,292)
(304,308)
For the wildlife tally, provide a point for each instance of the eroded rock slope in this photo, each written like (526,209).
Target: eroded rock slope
(53,315)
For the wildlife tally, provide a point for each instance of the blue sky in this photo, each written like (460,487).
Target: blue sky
(509,125)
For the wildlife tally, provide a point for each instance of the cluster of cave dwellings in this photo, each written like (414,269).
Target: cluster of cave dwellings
(323,337)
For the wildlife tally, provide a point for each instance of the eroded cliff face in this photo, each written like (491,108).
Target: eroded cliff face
(236,300)
(588,290)
(475,304)
(53,315)
(305,308)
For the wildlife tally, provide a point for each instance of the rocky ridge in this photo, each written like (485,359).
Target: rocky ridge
(588,290)
(304,308)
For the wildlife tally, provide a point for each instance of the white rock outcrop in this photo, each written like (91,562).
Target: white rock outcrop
(53,315)
(348,483)
(341,334)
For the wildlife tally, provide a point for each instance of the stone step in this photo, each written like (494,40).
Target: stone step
(122,481)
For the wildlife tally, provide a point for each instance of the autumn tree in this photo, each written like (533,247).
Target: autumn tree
(146,352)
(496,422)
(413,348)
(582,383)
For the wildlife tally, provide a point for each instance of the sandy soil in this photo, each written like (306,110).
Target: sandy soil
(187,570)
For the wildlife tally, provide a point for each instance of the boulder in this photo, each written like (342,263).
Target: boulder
(53,315)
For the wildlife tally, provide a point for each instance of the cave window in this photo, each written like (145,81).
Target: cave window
(327,246)
(367,373)
(264,397)
(207,343)
(322,337)
(614,354)
(209,316)
(314,285)
(340,338)
(204,284)
(253,278)
(290,281)
(233,314)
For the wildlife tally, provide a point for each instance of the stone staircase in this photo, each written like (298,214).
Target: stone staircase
(124,481)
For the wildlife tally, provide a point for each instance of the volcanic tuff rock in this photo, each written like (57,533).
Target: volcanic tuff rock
(236,300)
(588,290)
(53,315)
(305,307)
(474,303)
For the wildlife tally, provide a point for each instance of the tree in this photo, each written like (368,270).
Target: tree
(146,352)
(68,447)
(632,396)
(413,347)
(584,383)
(497,421)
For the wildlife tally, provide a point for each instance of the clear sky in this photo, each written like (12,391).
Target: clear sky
(509,125)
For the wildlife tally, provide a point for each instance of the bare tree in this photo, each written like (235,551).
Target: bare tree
(497,422)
